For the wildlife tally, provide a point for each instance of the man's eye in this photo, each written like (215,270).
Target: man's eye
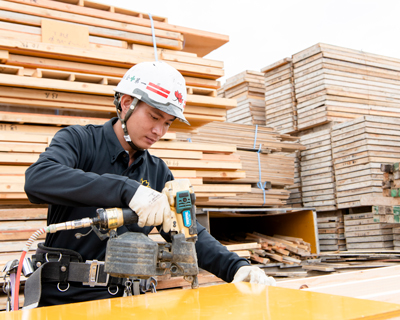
(155,118)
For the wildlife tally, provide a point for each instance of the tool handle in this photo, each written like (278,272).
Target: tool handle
(130,216)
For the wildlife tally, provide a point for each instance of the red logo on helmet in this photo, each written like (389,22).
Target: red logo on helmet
(178,96)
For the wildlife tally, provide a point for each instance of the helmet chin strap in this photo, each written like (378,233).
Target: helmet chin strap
(117,103)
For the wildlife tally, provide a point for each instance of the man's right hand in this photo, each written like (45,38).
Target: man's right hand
(152,208)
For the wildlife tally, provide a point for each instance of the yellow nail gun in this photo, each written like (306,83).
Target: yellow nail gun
(134,255)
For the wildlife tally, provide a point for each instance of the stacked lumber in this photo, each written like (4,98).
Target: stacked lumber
(247,88)
(280,98)
(295,189)
(22,146)
(364,232)
(244,137)
(265,158)
(280,248)
(359,147)
(66,67)
(62,70)
(15,231)
(247,84)
(245,250)
(396,238)
(391,179)
(339,84)
(317,174)
(16,226)
(248,111)
(267,250)
(331,230)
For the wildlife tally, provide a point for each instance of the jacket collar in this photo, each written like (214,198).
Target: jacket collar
(114,146)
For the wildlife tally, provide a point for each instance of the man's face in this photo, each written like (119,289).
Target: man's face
(147,125)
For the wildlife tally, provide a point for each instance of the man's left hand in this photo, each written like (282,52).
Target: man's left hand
(253,274)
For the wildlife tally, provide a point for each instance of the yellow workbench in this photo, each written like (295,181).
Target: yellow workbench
(223,302)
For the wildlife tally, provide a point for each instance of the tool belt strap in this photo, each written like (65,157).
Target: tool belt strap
(90,273)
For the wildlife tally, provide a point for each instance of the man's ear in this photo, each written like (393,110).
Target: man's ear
(126,102)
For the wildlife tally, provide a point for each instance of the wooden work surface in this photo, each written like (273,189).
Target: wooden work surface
(229,301)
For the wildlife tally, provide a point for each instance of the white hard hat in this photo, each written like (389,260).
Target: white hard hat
(157,84)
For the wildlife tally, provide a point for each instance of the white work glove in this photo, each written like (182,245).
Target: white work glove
(152,207)
(253,274)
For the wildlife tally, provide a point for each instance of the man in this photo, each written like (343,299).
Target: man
(85,168)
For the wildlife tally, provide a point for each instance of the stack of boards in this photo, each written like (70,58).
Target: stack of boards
(359,147)
(317,177)
(338,84)
(280,97)
(341,166)
(62,70)
(324,88)
(247,88)
(69,65)
(331,232)
(364,232)
(266,156)
(295,198)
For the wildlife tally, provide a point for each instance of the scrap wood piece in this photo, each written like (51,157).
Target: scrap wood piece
(242,246)
(275,257)
(318,268)
(243,253)
(281,251)
(256,258)
(292,247)
(260,239)
(290,260)
(286,274)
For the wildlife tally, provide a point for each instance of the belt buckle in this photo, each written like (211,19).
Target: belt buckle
(94,272)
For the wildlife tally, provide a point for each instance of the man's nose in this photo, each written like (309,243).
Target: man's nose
(158,129)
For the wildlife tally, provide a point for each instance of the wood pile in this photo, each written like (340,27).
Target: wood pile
(265,158)
(345,261)
(280,97)
(338,84)
(317,177)
(62,71)
(295,196)
(247,88)
(44,73)
(359,148)
(248,111)
(331,230)
(396,238)
(264,249)
(365,232)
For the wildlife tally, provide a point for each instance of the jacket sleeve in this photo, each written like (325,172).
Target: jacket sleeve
(58,178)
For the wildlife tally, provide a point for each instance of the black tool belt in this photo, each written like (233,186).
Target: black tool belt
(65,265)
(62,266)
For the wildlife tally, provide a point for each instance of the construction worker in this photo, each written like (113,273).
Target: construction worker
(87,167)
